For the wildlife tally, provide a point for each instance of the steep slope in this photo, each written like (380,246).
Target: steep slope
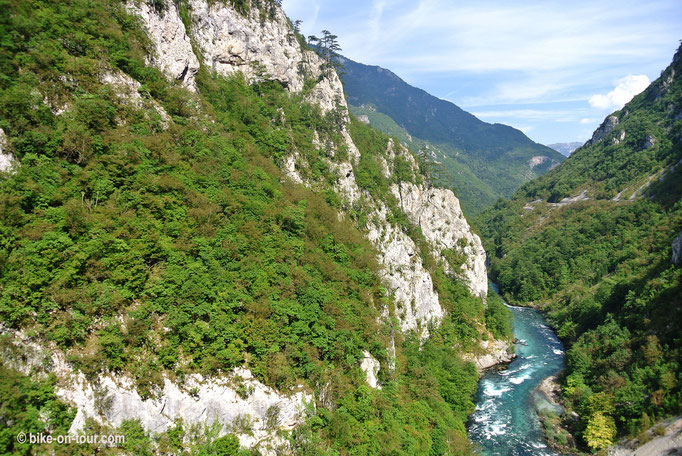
(500,156)
(595,243)
(200,248)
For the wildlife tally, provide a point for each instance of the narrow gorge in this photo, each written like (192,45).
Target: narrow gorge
(216,240)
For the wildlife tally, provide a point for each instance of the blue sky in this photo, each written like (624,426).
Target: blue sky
(553,69)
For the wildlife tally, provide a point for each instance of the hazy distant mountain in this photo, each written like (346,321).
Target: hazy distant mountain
(482,161)
(565,148)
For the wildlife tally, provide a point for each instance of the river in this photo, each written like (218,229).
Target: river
(505,421)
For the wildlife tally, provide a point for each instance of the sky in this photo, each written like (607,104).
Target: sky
(553,69)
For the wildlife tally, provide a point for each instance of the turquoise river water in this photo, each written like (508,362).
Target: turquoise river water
(505,422)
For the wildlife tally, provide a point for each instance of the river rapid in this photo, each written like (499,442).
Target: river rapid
(505,422)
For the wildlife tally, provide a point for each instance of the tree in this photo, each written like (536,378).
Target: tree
(600,431)
(328,48)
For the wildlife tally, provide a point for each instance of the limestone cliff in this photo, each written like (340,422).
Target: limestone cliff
(231,42)
(494,352)
(604,129)
(267,49)
(172,48)
(437,212)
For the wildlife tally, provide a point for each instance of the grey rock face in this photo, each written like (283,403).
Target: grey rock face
(173,53)
(494,352)
(604,129)
(127,90)
(6,159)
(370,366)
(619,138)
(231,42)
(437,212)
(401,267)
(677,249)
(538,160)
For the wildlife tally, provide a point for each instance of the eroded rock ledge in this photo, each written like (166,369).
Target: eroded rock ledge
(231,401)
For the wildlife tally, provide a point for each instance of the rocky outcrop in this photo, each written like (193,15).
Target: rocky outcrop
(232,42)
(494,352)
(173,53)
(403,272)
(127,90)
(238,402)
(437,212)
(6,159)
(677,249)
(649,142)
(604,129)
(370,366)
(669,443)
(620,137)
(538,160)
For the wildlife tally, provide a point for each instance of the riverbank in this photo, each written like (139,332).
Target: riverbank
(555,422)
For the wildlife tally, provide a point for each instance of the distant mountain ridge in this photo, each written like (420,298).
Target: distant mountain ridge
(565,148)
(502,158)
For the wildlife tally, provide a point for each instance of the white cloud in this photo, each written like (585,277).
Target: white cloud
(587,121)
(626,88)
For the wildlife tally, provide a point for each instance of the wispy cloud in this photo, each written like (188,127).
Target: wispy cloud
(625,90)
(529,114)
(491,36)
(374,22)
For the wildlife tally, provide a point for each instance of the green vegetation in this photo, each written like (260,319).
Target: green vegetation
(151,247)
(482,161)
(601,269)
(498,318)
(29,407)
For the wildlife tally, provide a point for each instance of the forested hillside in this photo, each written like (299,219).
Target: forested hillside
(591,243)
(481,161)
(158,243)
